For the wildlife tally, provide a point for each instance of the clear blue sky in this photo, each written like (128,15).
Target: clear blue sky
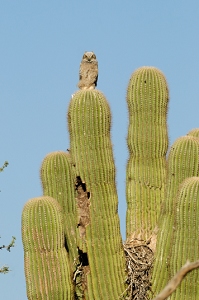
(41,46)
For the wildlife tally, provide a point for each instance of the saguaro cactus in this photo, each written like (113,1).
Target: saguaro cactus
(185,237)
(183,162)
(72,242)
(147,99)
(194,132)
(47,269)
(58,182)
(89,121)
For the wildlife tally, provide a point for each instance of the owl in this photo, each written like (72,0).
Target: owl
(88,73)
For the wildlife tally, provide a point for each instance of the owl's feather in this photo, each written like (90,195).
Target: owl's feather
(88,73)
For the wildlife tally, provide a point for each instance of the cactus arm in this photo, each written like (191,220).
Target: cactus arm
(185,237)
(183,162)
(58,182)
(147,98)
(45,258)
(194,132)
(89,121)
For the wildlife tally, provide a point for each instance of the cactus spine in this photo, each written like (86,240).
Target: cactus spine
(45,257)
(147,99)
(89,122)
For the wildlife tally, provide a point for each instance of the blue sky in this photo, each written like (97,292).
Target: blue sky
(41,46)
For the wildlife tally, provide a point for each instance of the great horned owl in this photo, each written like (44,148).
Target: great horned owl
(88,72)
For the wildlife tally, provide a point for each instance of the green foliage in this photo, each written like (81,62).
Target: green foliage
(8,247)
(4,166)
(5,269)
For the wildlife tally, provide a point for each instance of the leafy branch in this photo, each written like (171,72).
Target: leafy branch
(12,243)
(5,269)
(4,166)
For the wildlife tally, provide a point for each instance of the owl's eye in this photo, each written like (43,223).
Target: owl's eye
(94,56)
(84,56)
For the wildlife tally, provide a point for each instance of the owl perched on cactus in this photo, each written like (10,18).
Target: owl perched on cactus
(88,73)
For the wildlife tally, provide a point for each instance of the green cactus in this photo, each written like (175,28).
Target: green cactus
(89,121)
(185,238)
(46,260)
(183,162)
(58,182)
(147,99)
(90,264)
(194,132)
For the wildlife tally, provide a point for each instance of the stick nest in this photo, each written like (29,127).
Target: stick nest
(139,262)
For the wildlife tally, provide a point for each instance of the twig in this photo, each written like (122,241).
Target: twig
(12,244)
(139,261)
(4,270)
(176,280)
(4,166)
